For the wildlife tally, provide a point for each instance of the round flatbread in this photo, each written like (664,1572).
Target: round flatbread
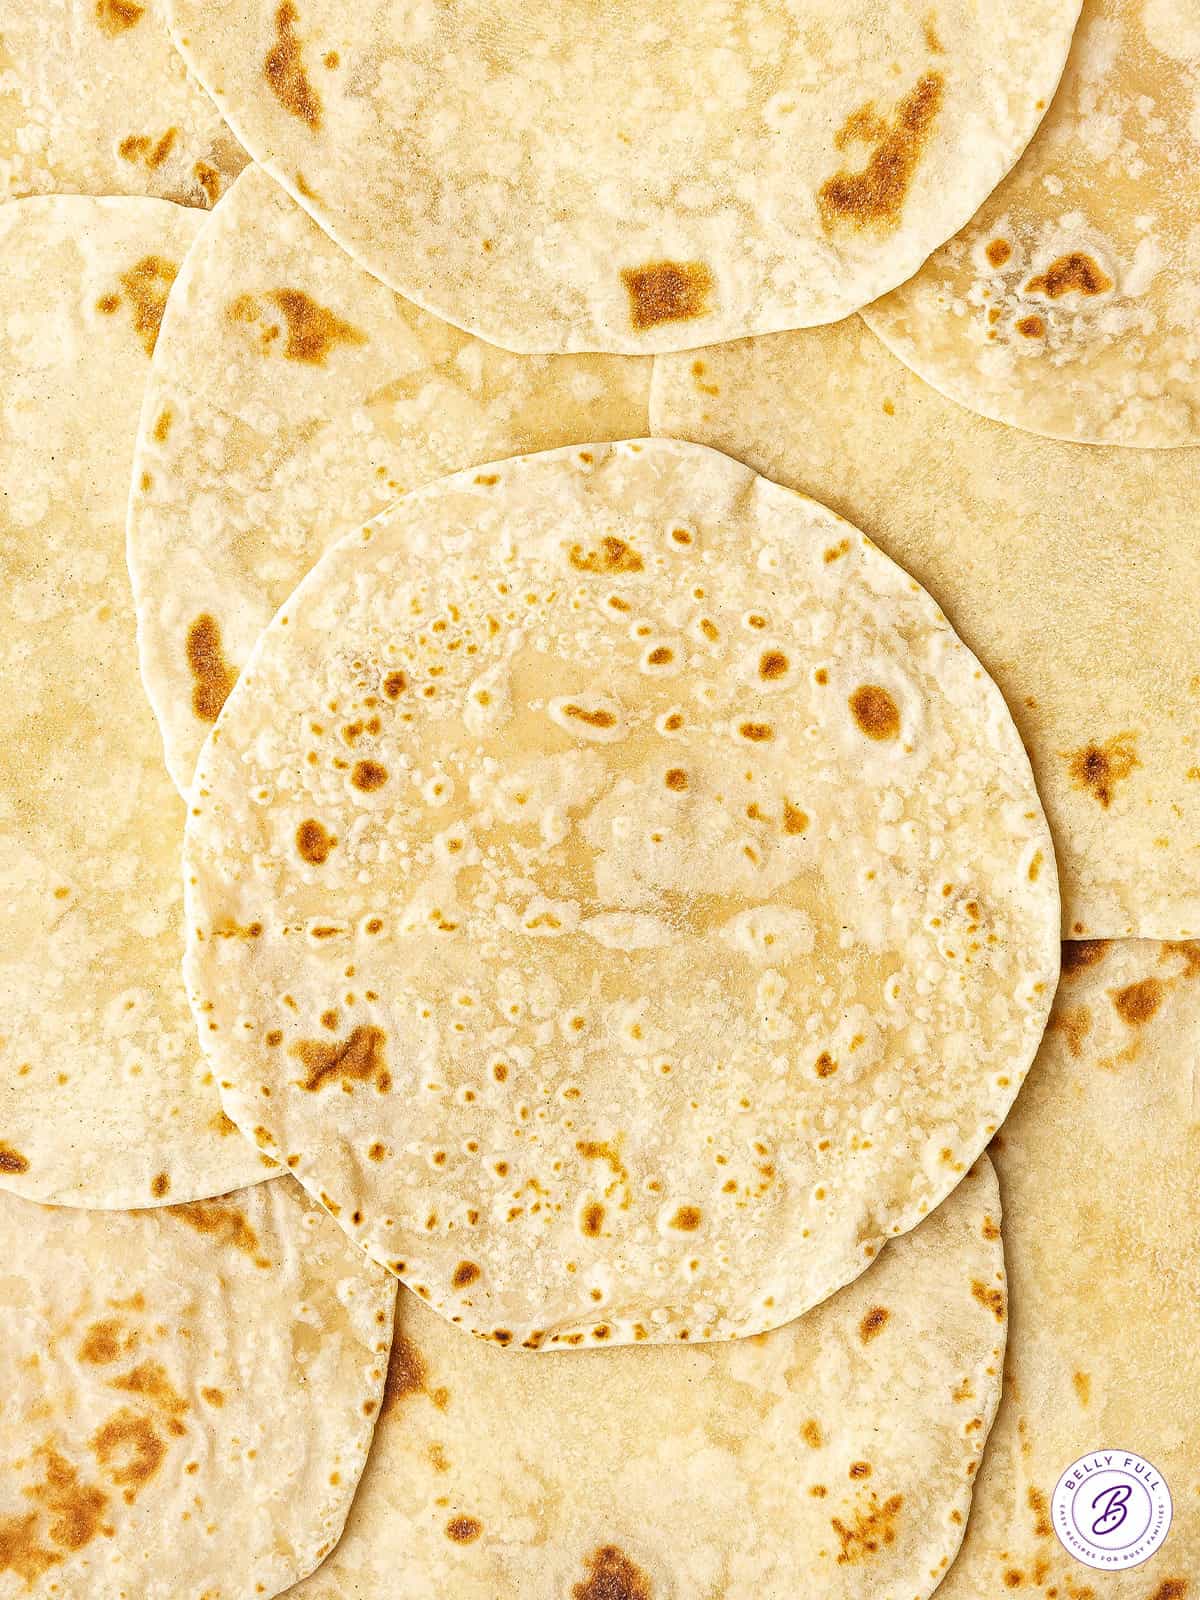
(1102,1234)
(1074,574)
(771,165)
(737,1470)
(189,1395)
(105,1098)
(616,893)
(94,99)
(292,396)
(1070,304)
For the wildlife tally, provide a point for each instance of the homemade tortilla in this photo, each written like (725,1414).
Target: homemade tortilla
(189,1395)
(618,896)
(1102,1234)
(1070,304)
(292,396)
(837,1453)
(105,1099)
(1073,573)
(94,99)
(558,178)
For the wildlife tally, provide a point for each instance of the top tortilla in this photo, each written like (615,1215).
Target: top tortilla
(292,396)
(616,893)
(773,164)
(1074,574)
(1071,304)
(94,99)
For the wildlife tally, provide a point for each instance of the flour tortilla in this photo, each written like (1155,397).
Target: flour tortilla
(189,1395)
(616,893)
(105,1099)
(291,397)
(1073,573)
(1070,304)
(738,1470)
(771,164)
(1102,1234)
(94,99)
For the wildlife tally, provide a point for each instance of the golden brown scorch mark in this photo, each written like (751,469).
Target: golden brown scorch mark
(1040,1507)
(998,252)
(1071,274)
(875,712)
(213,676)
(1096,768)
(284,71)
(1080,953)
(464,1530)
(591,719)
(612,1576)
(12,1161)
(118,16)
(465,1274)
(1074,1023)
(873,1323)
(75,1510)
(872,1527)
(1137,1002)
(612,555)
(147,285)
(313,842)
(1171,1589)
(144,148)
(357,1059)
(130,1450)
(993,1299)
(877,193)
(667,291)
(312,329)
(368,776)
(407,1373)
(223,1221)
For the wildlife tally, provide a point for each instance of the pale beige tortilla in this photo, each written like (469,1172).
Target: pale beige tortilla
(558,178)
(95,99)
(1097,1170)
(189,1395)
(617,894)
(105,1098)
(292,396)
(1070,304)
(834,1456)
(1073,573)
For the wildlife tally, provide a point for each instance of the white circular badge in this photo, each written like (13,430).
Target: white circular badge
(1111,1509)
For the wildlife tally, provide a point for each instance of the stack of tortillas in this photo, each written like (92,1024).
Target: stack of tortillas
(514,802)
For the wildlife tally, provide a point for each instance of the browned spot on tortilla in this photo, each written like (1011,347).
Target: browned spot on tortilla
(998,252)
(593,719)
(826,1066)
(1040,1507)
(1031,327)
(687,1219)
(118,16)
(407,1373)
(591,1220)
(933,43)
(76,1510)
(368,776)
(876,713)
(1096,768)
(772,664)
(756,732)
(212,674)
(1189,949)
(209,180)
(395,684)
(1083,1387)
(1137,1002)
(464,1530)
(676,778)
(150,152)
(162,425)
(794,820)
(465,1274)
(1074,1023)
(991,1228)
(873,1323)
(214,1397)
(149,1380)
(357,1059)
(147,285)
(313,842)
(312,329)
(22,1552)
(222,1220)
(1071,274)
(877,193)
(130,1451)
(859,1470)
(993,1299)
(108,303)
(610,555)
(1171,1589)
(103,1342)
(284,71)
(811,1434)
(1080,953)
(667,291)
(612,1576)
(12,1161)
(600,1150)
(159,1185)
(873,1526)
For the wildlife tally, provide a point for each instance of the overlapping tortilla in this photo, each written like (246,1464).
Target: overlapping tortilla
(1073,573)
(292,396)
(617,894)
(610,178)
